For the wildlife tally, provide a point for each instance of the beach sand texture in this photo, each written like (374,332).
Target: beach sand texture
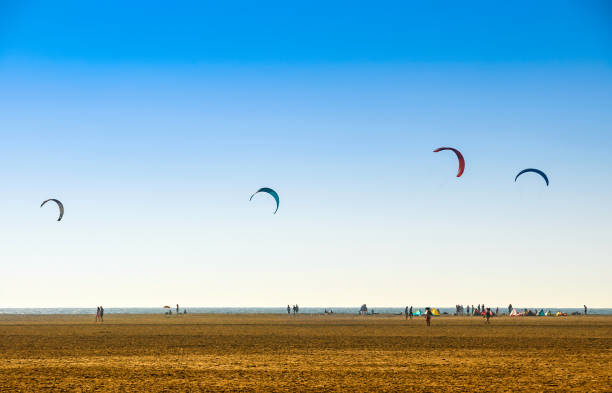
(305,353)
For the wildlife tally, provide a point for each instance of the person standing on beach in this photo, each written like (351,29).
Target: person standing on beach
(288,310)
(98,314)
(428,316)
(487,315)
(101,314)
(406,312)
(468,309)
(410,312)
(585,309)
(177,309)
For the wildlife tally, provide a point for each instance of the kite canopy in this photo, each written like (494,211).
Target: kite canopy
(539,172)
(459,157)
(59,204)
(271,192)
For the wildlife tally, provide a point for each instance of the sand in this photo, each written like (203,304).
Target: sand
(306,353)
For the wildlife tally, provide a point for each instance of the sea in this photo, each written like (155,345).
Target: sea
(265,310)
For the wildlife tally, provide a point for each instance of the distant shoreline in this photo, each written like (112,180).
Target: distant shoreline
(262,310)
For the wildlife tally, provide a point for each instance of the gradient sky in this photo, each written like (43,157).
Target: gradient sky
(155,122)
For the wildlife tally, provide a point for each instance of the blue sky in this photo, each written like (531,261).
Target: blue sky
(154,123)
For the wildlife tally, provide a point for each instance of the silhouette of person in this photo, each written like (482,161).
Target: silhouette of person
(428,316)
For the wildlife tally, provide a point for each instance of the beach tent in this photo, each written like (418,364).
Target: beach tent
(435,311)
(514,313)
(549,314)
(417,313)
(541,313)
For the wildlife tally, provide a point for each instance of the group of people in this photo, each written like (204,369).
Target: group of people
(481,309)
(100,314)
(486,312)
(295,308)
(427,314)
(169,312)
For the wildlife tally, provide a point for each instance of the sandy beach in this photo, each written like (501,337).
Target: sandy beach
(304,353)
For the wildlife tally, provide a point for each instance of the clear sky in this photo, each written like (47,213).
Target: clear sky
(155,122)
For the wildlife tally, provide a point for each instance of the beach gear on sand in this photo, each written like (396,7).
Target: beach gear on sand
(59,204)
(271,192)
(459,157)
(539,172)
(514,313)
(435,311)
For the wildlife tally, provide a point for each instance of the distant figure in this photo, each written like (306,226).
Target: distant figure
(428,316)
(487,315)
(177,309)
(509,309)
(297,309)
(585,309)
(288,310)
(410,312)
(363,310)
(468,309)
(406,312)
(184,311)
(101,314)
(478,308)
(98,314)
(496,311)
(472,310)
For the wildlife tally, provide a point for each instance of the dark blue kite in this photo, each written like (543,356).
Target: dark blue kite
(539,172)
(271,192)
